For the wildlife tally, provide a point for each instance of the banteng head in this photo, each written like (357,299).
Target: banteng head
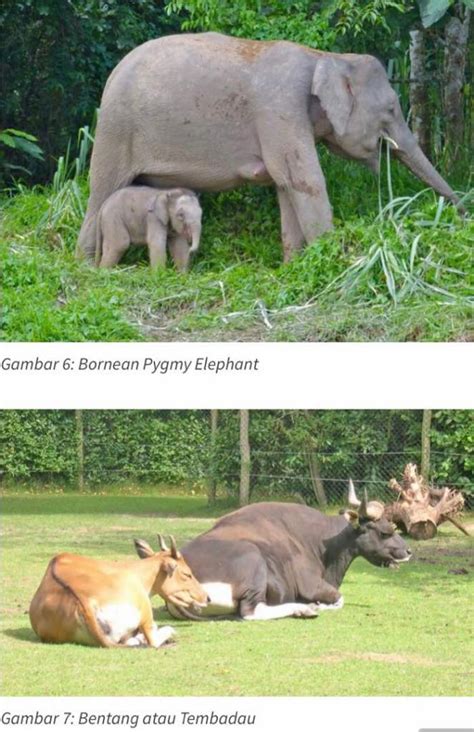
(174,581)
(376,538)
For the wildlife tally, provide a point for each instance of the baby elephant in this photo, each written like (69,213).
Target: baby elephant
(144,215)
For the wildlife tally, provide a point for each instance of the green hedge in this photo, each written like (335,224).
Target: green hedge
(173,448)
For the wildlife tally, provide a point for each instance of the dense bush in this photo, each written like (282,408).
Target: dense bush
(56,56)
(173,448)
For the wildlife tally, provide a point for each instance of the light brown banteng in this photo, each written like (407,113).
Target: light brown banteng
(105,603)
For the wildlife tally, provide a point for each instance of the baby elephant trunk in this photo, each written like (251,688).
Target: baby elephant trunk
(195,236)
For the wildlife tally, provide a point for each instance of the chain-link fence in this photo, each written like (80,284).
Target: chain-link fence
(323,477)
(294,455)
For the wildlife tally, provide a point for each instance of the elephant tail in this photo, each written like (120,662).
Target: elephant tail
(98,239)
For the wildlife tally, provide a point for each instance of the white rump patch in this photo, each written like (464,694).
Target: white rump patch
(221,601)
(122,619)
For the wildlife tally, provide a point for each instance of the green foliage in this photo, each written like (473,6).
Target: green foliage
(56,57)
(456,429)
(172,448)
(328,25)
(20,141)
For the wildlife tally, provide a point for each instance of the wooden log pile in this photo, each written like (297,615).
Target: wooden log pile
(419,509)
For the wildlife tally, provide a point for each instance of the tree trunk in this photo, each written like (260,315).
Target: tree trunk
(426,444)
(419,102)
(244,492)
(212,482)
(316,480)
(455,51)
(80,449)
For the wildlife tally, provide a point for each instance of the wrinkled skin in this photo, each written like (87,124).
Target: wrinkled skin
(211,112)
(145,215)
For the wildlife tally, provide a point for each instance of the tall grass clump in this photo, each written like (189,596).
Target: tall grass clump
(66,198)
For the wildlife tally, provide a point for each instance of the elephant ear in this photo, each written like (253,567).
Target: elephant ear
(331,84)
(161,208)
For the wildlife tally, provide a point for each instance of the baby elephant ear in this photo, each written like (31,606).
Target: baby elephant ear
(161,208)
(332,85)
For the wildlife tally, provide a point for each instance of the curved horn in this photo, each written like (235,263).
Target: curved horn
(351,496)
(174,549)
(162,542)
(363,506)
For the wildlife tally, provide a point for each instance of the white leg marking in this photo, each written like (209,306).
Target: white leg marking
(338,605)
(137,641)
(221,601)
(162,635)
(287,610)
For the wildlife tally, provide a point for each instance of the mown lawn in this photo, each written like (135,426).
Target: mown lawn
(405,275)
(400,633)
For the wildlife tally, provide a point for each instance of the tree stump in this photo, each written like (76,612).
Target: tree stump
(420,509)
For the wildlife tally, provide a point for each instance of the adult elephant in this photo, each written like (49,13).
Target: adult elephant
(210,112)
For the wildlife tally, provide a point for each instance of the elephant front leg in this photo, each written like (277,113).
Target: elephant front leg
(291,235)
(297,173)
(156,240)
(180,252)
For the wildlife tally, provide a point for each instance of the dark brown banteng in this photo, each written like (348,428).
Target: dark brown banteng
(275,560)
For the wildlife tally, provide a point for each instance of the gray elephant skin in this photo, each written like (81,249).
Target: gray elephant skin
(211,112)
(145,215)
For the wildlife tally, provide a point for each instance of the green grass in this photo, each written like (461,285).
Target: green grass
(400,633)
(404,276)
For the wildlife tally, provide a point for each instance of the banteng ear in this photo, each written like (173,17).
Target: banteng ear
(169,567)
(143,548)
(331,84)
(350,515)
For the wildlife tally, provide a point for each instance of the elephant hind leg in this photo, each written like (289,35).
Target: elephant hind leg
(114,245)
(102,188)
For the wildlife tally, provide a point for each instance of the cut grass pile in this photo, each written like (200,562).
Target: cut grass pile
(403,274)
(400,633)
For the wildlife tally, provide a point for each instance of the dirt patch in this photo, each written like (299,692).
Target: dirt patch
(410,659)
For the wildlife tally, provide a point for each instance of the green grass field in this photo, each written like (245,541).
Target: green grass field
(400,633)
(405,275)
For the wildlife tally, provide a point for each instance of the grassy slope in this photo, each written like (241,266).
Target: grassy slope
(237,277)
(405,632)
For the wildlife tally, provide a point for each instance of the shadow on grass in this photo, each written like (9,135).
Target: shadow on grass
(153,506)
(22,634)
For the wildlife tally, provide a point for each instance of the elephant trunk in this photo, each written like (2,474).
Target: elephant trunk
(411,155)
(195,236)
